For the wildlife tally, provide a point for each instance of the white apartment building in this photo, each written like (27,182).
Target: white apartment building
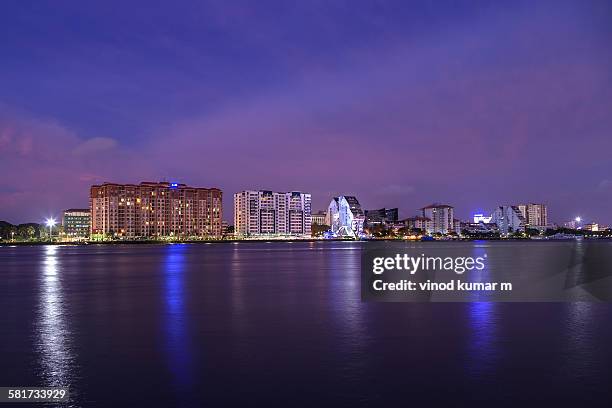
(422,223)
(268,213)
(535,215)
(509,219)
(345,217)
(442,217)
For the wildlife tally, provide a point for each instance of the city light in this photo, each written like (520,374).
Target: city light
(51,223)
(481,218)
(578,219)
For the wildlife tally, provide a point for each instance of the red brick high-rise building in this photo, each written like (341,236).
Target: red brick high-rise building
(153,209)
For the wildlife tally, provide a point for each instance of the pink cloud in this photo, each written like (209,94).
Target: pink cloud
(46,166)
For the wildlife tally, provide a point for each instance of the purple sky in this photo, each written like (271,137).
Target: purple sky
(398,103)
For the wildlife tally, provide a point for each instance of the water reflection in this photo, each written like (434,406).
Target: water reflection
(482,349)
(177,343)
(53,333)
(580,338)
(237,284)
(346,306)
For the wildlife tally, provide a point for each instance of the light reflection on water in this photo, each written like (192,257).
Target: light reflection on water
(54,337)
(580,336)
(175,316)
(482,349)
(237,282)
(347,310)
(214,307)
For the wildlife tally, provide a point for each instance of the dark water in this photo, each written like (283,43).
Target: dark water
(260,323)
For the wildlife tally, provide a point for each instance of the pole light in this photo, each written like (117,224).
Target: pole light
(51,223)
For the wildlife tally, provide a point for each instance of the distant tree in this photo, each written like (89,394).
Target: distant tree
(28,231)
(318,230)
(550,231)
(380,231)
(531,232)
(562,230)
(391,232)
(481,234)
(404,231)
(5,230)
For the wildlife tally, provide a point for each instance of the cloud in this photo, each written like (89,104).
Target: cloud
(94,145)
(42,172)
(473,115)
(604,186)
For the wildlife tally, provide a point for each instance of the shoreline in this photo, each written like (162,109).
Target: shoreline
(248,241)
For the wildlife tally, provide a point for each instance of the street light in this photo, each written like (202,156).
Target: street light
(51,223)
(578,219)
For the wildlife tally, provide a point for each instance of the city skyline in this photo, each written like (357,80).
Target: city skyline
(400,104)
(415,213)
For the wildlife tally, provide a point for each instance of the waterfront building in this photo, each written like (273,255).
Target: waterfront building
(480,227)
(535,215)
(345,216)
(478,218)
(225,227)
(421,223)
(76,222)
(570,224)
(268,213)
(383,216)
(576,223)
(457,226)
(152,209)
(593,227)
(318,218)
(442,217)
(508,218)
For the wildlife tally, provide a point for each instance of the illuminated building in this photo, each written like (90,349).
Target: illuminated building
(481,218)
(593,227)
(508,218)
(383,216)
(318,218)
(442,217)
(268,213)
(152,209)
(76,222)
(535,215)
(419,223)
(457,226)
(576,223)
(345,216)
(480,228)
